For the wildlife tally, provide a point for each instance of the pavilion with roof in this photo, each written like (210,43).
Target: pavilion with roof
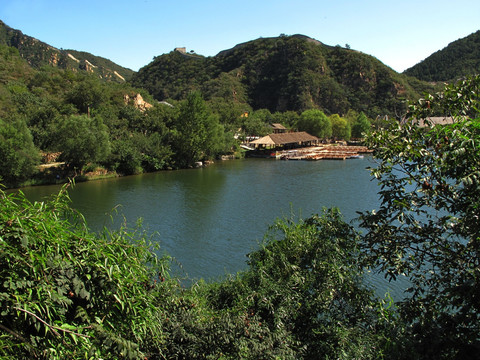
(285,140)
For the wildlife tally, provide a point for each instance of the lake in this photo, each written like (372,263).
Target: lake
(208,219)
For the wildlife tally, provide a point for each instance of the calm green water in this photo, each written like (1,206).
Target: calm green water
(208,219)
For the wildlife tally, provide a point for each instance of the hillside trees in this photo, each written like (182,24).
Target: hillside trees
(277,82)
(368,85)
(227,86)
(285,73)
(90,121)
(427,226)
(40,113)
(13,67)
(329,95)
(86,94)
(458,59)
(174,75)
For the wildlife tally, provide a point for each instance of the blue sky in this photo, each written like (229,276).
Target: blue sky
(131,33)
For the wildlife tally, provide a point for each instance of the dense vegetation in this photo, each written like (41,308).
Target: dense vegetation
(288,73)
(91,122)
(74,104)
(427,227)
(458,59)
(101,127)
(69,293)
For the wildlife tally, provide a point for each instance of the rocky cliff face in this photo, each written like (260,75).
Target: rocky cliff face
(38,54)
(137,101)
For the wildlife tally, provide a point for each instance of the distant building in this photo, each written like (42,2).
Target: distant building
(278,128)
(432,120)
(182,50)
(286,140)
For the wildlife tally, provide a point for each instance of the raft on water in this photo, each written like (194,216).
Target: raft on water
(329,152)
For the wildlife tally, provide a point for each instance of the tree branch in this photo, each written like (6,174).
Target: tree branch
(13,333)
(52,327)
(21,338)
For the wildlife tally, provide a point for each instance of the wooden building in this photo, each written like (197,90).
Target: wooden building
(285,140)
(278,128)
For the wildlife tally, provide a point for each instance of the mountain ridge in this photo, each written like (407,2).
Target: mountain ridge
(459,58)
(285,73)
(298,36)
(38,53)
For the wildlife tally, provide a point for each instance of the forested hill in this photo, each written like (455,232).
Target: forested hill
(284,73)
(38,54)
(459,58)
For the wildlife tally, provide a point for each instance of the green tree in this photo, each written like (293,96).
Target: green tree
(288,118)
(125,157)
(316,123)
(257,123)
(229,112)
(226,86)
(340,127)
(86,94)
(361,126)
(427,226)
(82,140)
(196,132)
(17,151)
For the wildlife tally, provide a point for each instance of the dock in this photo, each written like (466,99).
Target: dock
(325,152)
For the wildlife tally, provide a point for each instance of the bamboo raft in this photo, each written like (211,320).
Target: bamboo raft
(329,152)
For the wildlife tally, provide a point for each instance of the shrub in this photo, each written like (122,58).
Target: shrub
(70,293)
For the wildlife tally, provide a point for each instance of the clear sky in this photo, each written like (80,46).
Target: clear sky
(399,33)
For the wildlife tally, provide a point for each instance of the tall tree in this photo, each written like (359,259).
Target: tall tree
(316,123)
(86,95)
(256,123)
(18,155)
(195,131)
(82,140)
(361,126)
(340,127)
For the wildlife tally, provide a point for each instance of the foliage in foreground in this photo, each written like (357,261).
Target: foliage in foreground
(300,298)
(68,293)
(427,227)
